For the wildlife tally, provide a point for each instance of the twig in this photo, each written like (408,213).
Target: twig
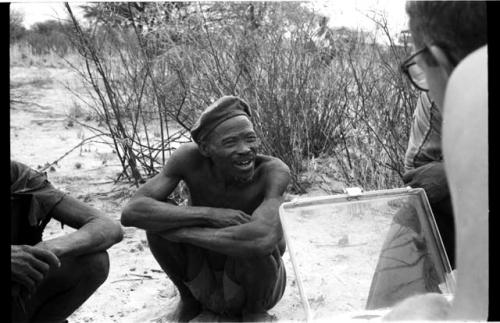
(29,103)
(132,279)
(67,153)
(144,276)
(126,279)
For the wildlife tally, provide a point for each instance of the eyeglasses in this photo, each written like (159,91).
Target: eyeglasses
(414,72)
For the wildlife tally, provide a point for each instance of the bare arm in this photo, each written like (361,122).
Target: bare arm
(95,231)
(258,237)
(149,210)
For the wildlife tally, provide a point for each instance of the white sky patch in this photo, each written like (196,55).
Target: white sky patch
(342,13)
(355,13)
(42,11)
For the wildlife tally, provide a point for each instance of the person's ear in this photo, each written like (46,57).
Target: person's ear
(203,147)
(442,59)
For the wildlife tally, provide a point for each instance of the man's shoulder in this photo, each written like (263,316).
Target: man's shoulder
(467,89)
(185,157)
(268,163)
(189,149)
(17,168)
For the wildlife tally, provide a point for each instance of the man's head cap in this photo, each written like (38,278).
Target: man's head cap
(221,110)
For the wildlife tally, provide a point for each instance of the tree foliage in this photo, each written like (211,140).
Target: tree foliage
(17,30)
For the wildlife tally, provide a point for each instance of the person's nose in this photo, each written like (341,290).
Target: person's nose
(243,148)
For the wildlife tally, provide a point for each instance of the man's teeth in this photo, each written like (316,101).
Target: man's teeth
(243,163)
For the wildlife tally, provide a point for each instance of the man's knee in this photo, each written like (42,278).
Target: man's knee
(95,267)
(246,269)
(160,246)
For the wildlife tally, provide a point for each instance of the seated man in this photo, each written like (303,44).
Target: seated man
(425,168)
(223,252)
(52,278)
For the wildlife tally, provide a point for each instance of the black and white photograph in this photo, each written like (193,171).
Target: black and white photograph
(249,161)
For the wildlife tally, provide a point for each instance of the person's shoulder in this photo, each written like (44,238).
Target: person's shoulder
(473,68)
(18,167)
(188,150)
(467,88)
(267,164)
(20,172)
(186,156)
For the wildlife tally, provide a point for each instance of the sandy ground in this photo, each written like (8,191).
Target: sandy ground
(136,290)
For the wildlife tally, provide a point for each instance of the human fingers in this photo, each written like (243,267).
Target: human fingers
(245,217)
(40,266)
(25,281)
(30,269)
(47,256)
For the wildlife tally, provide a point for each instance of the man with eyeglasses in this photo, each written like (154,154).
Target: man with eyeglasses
(451,62)
(223,251)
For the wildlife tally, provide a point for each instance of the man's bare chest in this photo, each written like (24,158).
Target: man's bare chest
(246,197)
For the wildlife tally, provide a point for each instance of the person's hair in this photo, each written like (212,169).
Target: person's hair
(458,27)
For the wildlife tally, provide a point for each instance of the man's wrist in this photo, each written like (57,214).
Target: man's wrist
(207,215)
(51,246)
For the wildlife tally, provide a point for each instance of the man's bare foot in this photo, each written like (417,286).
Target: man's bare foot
(257,317)
(186,310)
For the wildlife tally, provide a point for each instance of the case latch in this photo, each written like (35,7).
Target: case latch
(353,191)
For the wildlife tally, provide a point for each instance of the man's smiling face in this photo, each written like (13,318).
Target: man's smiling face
(232,146)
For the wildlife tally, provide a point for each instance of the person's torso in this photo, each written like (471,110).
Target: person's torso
(206,191)
(424,144)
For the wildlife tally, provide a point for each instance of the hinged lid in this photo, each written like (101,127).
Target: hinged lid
(364,250)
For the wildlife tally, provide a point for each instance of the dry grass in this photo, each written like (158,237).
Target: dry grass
(22,54)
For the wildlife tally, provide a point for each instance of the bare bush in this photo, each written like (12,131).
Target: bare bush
(314,91)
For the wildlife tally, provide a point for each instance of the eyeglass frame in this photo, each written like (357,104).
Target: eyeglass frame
(407,63)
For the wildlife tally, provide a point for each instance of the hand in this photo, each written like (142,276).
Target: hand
(30,265)
(222,218)
(432,178)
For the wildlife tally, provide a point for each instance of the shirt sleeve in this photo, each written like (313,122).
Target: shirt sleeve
(33,188)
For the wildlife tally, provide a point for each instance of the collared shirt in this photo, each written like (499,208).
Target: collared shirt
(424,145)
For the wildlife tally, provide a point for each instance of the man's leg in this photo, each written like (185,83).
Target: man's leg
(65,289)
(263,280)
(432,178)
(443,214)
(180,263)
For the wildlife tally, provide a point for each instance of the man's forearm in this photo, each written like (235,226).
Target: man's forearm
(156,216)
(246,240)
(97,235)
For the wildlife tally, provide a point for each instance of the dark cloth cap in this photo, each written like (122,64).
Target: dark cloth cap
(221,110)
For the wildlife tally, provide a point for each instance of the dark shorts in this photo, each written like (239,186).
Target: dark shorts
(220,294)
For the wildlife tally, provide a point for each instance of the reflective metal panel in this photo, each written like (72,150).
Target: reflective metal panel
(364,252)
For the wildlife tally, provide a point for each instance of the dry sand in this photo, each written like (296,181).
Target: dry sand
(136,289)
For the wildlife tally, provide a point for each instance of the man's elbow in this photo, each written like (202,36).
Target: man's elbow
(117,234)
(265,246)
(113,232)
(128,217)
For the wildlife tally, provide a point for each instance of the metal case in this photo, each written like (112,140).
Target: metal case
(355,255)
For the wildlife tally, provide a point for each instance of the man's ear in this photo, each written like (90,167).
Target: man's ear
(203,147)
(442,59)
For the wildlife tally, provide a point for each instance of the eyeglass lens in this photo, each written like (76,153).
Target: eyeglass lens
(418,76)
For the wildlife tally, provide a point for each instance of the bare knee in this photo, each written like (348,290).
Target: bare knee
(95,267)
